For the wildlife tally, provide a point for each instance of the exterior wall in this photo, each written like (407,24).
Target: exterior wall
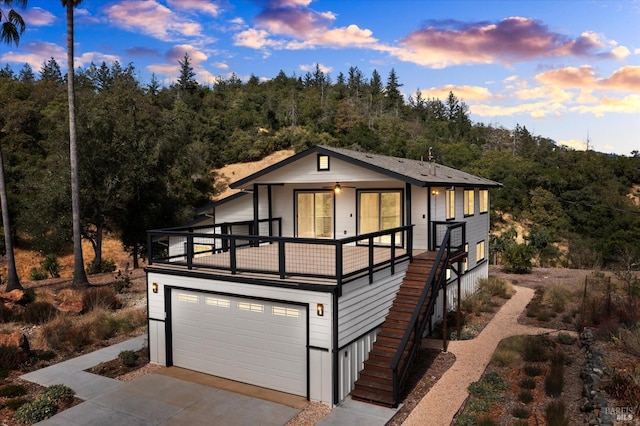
(320,328)
(468,285)
(351,360)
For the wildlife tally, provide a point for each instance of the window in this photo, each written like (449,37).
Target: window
(469,199)
(286,312)
(189,298)
(450,201)
(483,194)
(251,307)
(465,264)
(323,163)
(380,210)
(314,211)
(480,251)
(215,301)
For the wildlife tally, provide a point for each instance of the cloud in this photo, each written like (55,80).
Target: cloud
(295,21)
(38,17)
(220,65)
(574,144)
(151,18)
(171,69)
(551,93)
(626,78)
(511,40)
(142,51)
(203,6)
(536,110)
(627,105)
(464,93)
(36,53)
(312,67)
(96,57)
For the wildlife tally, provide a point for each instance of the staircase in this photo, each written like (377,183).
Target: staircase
(375,383)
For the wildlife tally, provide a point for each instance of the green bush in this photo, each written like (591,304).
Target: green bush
(12,390)
(504,357)
(44,355)
(517,259)
(62,333)
(555,413)
(10,359)
(57,393)
(535,349)
(51,265)
(29,295)
(494,287)
(36,411)
(554,381)
(128,358)
(106,265)
(543,314)
(123,280)
(525,397)
(527,383)
(39,312)
(38,274)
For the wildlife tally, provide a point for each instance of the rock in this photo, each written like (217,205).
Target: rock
(15,296)
(598,371)
(17,340)
(71,306)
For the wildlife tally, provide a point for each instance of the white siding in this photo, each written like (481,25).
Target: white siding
(419,206)
(237,210)
(468,285)
(157,342)
(320,389)
(351,361)
(364,306)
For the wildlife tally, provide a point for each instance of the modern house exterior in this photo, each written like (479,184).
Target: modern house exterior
(295,282)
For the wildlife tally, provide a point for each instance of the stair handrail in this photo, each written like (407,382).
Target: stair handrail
(433,283)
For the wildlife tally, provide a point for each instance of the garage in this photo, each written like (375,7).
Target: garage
(263,343)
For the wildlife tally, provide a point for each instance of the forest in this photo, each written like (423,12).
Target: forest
(147,154)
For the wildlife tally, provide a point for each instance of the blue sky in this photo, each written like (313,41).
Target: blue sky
(566,70)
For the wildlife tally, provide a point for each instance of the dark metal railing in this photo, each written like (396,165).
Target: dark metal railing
(457,231)
(448,245)
(341,260)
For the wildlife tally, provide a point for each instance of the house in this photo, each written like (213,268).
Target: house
(321,275)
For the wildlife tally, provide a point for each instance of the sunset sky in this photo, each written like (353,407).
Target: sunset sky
(567,70)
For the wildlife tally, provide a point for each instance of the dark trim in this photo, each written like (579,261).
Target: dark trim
(323,288)
(359,191)
(168,330)
(256,208)
(429,195)
(318,168)
(148,319)
(270,212)
(156,319)
(484,256)
(316,348)
(335,351)
(407,203)
(168,289)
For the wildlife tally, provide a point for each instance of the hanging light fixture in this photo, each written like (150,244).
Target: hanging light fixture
(337,188)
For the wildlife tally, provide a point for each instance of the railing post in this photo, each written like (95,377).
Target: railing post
(339,268)
(189,251)
(149,248)
(232,256)
(281,259)
(393,253)
(370,260)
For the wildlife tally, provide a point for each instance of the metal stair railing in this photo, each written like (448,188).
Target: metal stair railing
(417,324)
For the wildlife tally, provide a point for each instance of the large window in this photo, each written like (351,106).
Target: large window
(469,200)
(483,194)
(450,201)
(480,251)
(380,210)
(314,214)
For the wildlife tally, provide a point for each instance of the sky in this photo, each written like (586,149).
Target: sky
(566,70)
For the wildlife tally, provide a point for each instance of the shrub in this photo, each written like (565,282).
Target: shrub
(558,358)
(532,370)
(479,405)
(44,355)
(10,358)
(624,387)
(101,297)
(486,421)
(16,403)
(6,314)
(36,411)
(525,397)
(504,357)
(630,339)
(535,349)
(495,287)
(543,315)
(554,381)
(62,333)
(520,412)
(496,381)
(29,295)
(39,312)
(532,309)
(38,274)
(57,393)
(565,339)
(517,259)
(128,358)
(106,265)
(528,383)
(466,419)
(12,390)
(122,280)
(51,265)
(557,297)
(555,413)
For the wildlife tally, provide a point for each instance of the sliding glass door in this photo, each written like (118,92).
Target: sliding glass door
(380,210)
(314,214)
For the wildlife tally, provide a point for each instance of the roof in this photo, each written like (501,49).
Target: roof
(415,172)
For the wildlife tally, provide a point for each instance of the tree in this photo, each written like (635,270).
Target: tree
(12,27)
(50,71)
(186,79)
(79,274)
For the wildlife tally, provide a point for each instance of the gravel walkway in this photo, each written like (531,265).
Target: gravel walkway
(445,398)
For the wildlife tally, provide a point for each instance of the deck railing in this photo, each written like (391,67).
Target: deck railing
(341,260)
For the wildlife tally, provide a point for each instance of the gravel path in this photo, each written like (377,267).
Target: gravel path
(445,398)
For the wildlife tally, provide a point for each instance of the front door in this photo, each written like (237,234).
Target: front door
(314,214)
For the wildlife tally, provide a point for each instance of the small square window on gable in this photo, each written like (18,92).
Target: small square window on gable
(323,163)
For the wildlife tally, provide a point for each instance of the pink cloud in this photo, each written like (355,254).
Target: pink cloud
(203,6)
(38,17)
(510,40)
(582,77)
(625,78)
(294,21)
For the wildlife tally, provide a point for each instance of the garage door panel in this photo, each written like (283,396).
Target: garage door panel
(257,342)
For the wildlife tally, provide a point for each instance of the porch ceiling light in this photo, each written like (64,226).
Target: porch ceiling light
(337,188)
(434,192)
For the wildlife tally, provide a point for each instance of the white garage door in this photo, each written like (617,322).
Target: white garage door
(247,340)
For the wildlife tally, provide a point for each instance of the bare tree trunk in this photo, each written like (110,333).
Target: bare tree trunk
(79,274)
(13,281)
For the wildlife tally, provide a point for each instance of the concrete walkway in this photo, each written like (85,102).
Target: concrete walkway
(446,397)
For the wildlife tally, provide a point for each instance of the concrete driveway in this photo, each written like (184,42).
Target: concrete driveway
(153,399)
